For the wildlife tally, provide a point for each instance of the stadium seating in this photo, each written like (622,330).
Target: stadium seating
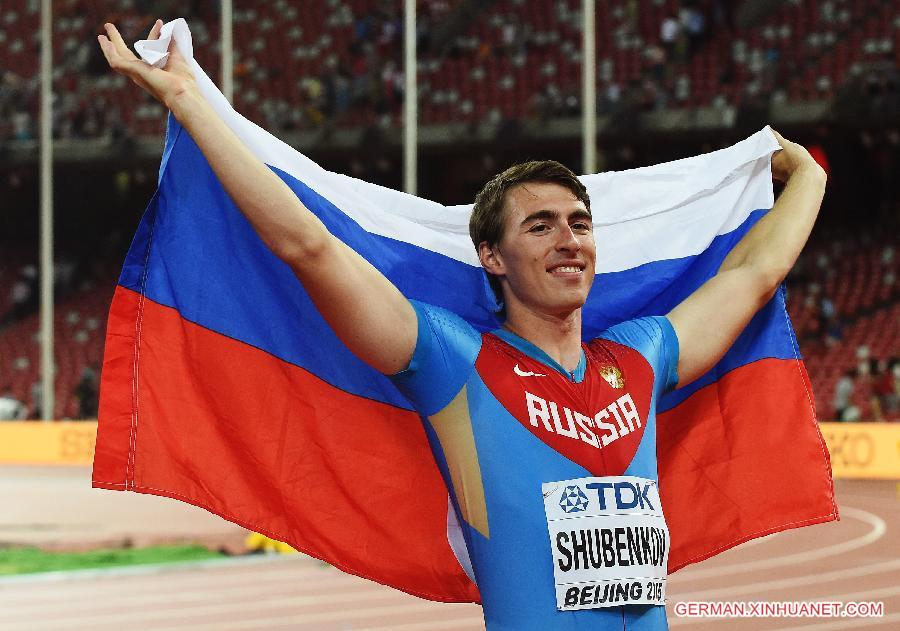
(337,62)
(879,332)
(860,278)
(80,327)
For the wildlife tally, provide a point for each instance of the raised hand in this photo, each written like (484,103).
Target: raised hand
(165,84)
(791,157)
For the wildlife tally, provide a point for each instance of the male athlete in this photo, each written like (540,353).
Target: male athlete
(547,444)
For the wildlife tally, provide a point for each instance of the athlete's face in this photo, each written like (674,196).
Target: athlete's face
(545,259)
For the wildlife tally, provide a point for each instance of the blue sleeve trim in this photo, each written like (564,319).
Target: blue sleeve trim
(671,350)
(424,342)
(653,337)
(445,353)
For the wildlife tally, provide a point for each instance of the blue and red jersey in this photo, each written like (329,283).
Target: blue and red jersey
(502,418)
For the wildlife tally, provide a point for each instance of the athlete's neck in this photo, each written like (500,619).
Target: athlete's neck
(557,335)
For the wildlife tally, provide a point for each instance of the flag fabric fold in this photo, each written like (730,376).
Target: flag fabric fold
(223,387)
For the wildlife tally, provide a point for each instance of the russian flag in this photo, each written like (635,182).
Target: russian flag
(224,388)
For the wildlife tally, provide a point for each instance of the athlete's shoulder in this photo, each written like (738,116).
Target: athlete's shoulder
(446,349)
(654,338)
(443,321)
(640,332)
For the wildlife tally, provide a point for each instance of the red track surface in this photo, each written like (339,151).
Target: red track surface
(857,559)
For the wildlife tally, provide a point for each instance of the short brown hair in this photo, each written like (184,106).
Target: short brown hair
(486,222)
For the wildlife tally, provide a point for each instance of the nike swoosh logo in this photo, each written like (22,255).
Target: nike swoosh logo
(526,373)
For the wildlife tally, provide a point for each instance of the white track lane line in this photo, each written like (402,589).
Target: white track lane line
(868,594)
(294,620)
(11,611)
(48,592)
(175,590)
(240,607)
(798,581)
(876,533)
(468,624)
(758,540)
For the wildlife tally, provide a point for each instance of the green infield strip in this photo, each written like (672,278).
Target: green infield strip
(30,560)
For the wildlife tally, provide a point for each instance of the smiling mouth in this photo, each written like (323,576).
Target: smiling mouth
(566,269)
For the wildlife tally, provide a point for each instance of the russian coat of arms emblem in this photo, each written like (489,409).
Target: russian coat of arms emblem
(613,376)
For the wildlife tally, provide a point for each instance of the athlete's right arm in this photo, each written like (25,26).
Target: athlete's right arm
(366,311)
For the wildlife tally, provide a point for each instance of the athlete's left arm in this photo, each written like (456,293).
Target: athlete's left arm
(708,321)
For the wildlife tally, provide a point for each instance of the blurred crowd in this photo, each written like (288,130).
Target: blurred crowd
(844,300)
(23,288)
(870,392)
(511,60)
(512,63)
(86,394)
(21,305)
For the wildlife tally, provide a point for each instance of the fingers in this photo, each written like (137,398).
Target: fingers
(111,53)
(118,43)
(788,144)
(106,48)
(781,139)
(154,32)
(132,68)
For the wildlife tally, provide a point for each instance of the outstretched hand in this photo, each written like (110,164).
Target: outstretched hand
(791,157)
(165,84)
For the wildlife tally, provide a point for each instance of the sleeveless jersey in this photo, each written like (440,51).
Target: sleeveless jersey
(502,418)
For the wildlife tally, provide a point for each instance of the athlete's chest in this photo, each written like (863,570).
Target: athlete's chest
(597,423)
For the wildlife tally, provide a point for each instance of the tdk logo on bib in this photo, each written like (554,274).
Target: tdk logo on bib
(609,541)
(573,500)
(626,494)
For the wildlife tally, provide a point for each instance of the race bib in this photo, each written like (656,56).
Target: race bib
(609,541)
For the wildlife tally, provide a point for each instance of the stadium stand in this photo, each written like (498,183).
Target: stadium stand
(80,326)
(338,63)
